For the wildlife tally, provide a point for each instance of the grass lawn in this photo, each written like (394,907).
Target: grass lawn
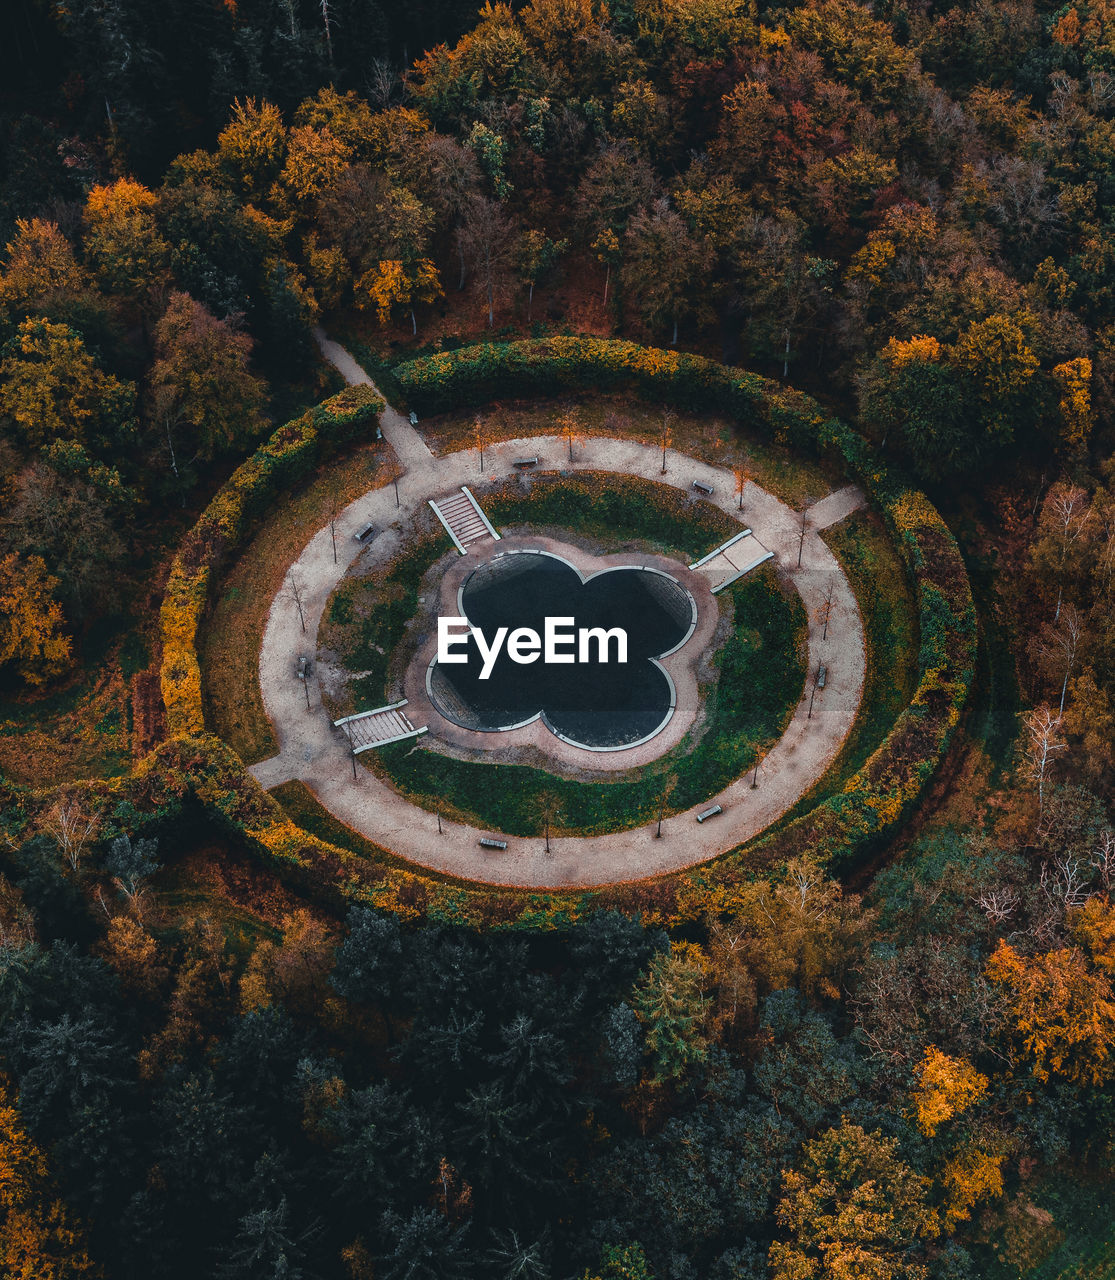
(761,674)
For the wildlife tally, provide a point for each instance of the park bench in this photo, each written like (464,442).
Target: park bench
(822,676)
(701,487)
(711,812)
(365,532)
(488,842)
(304,665)
(525,463)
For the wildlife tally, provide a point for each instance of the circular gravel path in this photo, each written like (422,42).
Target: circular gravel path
(311,750)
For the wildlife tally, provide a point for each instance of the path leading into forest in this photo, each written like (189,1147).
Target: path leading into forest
(311,750)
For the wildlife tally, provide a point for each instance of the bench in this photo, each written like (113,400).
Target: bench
(304,665)
(711,812)
(822,676)
(701,487)
(365,532)
(524,463)
(487,842)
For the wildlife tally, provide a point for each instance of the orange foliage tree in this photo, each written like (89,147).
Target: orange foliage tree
(1061,1013)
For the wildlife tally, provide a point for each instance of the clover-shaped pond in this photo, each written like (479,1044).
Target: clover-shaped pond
(600,705)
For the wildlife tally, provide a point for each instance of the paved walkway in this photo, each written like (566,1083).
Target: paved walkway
(310,749)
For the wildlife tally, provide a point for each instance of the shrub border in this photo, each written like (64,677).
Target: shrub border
(195,769)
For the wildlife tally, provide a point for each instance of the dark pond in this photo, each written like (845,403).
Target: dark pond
(593,703)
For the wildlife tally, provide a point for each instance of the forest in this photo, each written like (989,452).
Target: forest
(898,1070)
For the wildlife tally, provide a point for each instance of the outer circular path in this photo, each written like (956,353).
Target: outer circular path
(311,750)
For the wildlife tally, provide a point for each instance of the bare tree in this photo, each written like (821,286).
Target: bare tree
(998,904)
(1067,513)
(381,83)
(327,21)
(1044,743)
(571,429)
(824,610)
(741,477)
(486,238)
(481,438)
(666,436)
(548,811)
(668,784)
(296,593)
(72,827)
(804,527)
(1103,860)
(456,179)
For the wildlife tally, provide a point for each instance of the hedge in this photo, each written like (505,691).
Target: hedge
(288,456)
(874,801)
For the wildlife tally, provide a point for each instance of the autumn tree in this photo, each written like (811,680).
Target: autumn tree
(486,241)
(662,269)
(251,148)
(39,1239)
(315,161)
(202,390)
(52,390)
(1061,1014)
(69,510)
(536,255)
(40,268)
(946,1086)
(124,243)
(31,636)
(1074,378)
(851,1208)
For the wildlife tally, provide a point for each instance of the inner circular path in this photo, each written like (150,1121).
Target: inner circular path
(311,750)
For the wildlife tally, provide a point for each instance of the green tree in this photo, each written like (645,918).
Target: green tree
(621,1262)
(670,1002)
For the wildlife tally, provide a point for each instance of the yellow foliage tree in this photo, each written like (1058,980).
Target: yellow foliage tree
(314,163)
(124,244)
(31,620)
(997,354)
(399,284)
(1093,926)
(252,146)
(41,265)
(1061,1013)
(38,1239)
(946,1087)
(51,389)
(966,1179)
(898,354)
(1074,378)
(850,1210)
